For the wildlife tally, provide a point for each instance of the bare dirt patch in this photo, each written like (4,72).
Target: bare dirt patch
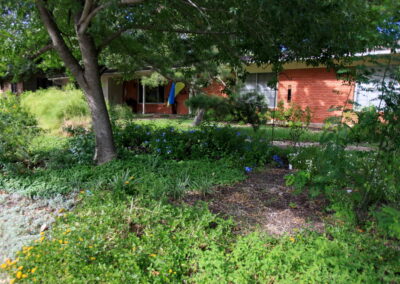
(264,201)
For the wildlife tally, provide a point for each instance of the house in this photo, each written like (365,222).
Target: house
(306,86)
(133,93)
(320,89)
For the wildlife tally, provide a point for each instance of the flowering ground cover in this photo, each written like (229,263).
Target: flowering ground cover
(179,205)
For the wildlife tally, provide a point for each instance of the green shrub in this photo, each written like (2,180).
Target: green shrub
(207,141)
(242,108)
(296,118)
(17,129)
(356,182)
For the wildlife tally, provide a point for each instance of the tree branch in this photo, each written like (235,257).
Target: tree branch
(108,40)
(86,10)
(89,15)
(44,49)
(58,42)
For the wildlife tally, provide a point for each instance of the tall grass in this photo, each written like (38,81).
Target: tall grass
(52,107)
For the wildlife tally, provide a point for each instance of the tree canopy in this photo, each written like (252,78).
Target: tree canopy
(87,36)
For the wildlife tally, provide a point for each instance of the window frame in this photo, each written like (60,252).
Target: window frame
(160,94)
(256,89)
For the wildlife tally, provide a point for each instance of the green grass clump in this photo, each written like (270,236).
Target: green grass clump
(52,107)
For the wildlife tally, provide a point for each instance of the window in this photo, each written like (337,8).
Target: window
(152,94)
(369,92)
(258,82)
(289,94)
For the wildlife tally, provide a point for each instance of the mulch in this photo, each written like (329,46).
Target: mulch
(264,202)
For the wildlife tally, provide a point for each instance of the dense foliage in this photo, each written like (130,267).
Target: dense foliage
(119,238)
(360,184)
(248,108)
(205,142)
(17,128)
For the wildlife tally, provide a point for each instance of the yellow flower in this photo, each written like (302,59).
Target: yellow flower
(42,233)
(80,239)
(292,239)
(33,270)
(65,242)
(90,247)
(153,255)
(12,281)
(41,239)
(127,182)
(60,241)
(170,271)
(20,268)
(61,210)
(92,258)
(3,266)
(19,274)
(24,275)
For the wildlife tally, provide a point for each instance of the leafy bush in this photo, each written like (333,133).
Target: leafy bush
(17,129)
(389,221)
(356,182)
(208,141)
(245,108)
(296,118)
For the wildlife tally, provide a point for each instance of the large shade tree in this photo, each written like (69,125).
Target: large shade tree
(87,36)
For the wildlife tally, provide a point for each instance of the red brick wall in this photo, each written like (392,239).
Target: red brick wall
(215,88)
(316,88)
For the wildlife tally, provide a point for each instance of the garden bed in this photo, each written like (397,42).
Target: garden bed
(263,201)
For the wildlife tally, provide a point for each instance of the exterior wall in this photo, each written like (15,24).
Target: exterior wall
(316,88)
(215,88)
(7,87)
(131,94)
(104,86)
(115,91)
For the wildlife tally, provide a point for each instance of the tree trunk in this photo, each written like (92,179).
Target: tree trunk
(198,119)
(105,149)
(88,78)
